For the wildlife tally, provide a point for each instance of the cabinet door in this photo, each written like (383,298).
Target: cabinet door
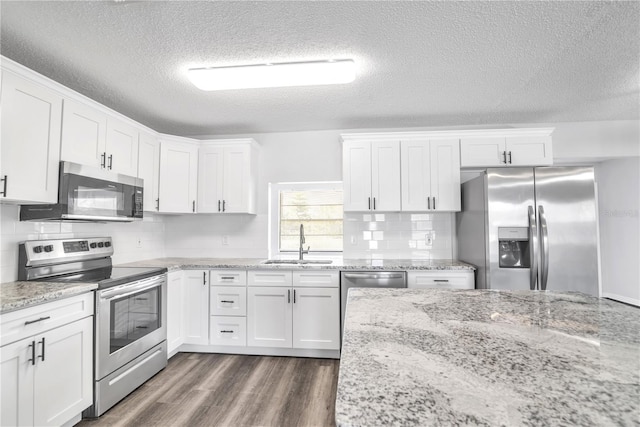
(415,175)
(175,311)
(482,152)
(529,151)
(16,371)
(63,379)
(122,148)
(84,132)
(269,315)
(445,175)
(178,177)
(356,176)
(210,178)
(316,318)
(385,176)
(149,169)
(30,133)
(196,311)
(237,179)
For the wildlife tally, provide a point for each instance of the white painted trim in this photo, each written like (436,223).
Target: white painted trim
(444,134)
(259,351)
(622,298)
(227,141)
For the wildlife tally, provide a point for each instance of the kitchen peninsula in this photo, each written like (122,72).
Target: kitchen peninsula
(442,357)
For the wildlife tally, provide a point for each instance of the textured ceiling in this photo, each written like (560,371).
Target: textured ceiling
(419,63)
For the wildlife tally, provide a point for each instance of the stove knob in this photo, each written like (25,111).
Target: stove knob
(107,244)
(100,244)
(48,248)
(37,249)
(93,245)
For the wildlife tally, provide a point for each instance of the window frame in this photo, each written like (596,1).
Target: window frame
(274,216)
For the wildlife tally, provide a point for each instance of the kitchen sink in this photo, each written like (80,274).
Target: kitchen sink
(298,261)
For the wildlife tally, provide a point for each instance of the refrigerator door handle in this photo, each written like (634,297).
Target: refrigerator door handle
(533,244)
(544,248)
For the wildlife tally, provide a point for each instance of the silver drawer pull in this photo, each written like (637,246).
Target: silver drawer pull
(226,332)
(441,280)
(227,277)
(28,322)
(228,302)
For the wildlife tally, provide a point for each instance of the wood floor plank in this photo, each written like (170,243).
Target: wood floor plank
(231,390)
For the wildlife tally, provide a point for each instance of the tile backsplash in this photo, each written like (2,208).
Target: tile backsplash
(132,241)
(399,235)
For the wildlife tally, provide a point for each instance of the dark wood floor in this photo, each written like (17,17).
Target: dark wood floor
(227,390)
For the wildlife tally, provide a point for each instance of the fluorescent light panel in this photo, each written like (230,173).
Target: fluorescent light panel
(274,75)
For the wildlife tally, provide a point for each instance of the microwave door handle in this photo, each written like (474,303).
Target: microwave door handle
(533,251)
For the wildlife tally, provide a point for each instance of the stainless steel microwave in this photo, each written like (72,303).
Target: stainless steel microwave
(88,193)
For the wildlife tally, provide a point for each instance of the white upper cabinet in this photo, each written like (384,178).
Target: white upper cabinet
(178,175)
(371,175)
(30,154)
(227,176)
(122,147)
(149,169)
(509,147)
(430,175)
(91,137)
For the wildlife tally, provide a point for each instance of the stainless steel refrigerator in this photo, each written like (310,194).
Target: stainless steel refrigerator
(531,228)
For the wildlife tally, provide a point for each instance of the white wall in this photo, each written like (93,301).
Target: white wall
(125,237)
(619,194)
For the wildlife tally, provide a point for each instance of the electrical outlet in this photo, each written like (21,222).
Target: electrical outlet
(225,240)
(139,242)
(353,240)
(428,238)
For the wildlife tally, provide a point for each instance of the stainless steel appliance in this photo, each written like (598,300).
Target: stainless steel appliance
(130,320)
(531,228)
(90,194)
(367,279)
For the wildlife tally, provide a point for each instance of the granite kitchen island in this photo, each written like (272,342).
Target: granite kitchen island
(438,357)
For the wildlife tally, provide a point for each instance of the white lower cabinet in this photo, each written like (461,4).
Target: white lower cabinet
(439,279)
(47,378)
(294,316)
(228,330)
(175,311)
(196,306)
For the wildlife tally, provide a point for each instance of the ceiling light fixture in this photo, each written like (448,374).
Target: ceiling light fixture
(274,75)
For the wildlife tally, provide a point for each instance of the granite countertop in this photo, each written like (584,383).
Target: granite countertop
(444,357)
(17,295)
(173,264)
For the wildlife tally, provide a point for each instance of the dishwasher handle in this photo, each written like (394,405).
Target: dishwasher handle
(375,276)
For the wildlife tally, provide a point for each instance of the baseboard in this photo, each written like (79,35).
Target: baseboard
(260,351)
(622,298)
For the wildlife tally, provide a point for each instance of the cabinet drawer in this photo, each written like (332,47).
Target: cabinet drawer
(269,278)
(228,301)
(316,279)
(228,331)
(228,278)
(442,280)
(23,323)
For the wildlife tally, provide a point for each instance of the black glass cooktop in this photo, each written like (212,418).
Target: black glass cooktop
(108,276)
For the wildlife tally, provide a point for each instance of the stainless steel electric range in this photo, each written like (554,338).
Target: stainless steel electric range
(130,322)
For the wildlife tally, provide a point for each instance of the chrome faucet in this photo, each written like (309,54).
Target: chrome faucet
(301,250)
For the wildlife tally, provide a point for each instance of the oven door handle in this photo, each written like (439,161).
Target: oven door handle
(127,290)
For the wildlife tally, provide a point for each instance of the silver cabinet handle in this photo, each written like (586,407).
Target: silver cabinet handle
(224,203)
(510,162)
(374,203)
(193,208)
(369,198)
(544,249)
(227,277)
(227,301)
(28,322)
(294,296)
(288,296)
(110,161)
(4,190)
(441,280)
(204,278)
(42,355)
(103,160)
(158,204)
(428,202)
(504,157)
(533,244)
(434,202)
(226,331)
(218,205)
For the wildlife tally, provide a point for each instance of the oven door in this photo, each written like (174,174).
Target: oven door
(130,319)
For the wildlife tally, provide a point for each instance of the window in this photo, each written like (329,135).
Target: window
(315,205)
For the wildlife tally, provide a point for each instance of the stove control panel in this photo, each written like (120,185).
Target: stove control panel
(40,252)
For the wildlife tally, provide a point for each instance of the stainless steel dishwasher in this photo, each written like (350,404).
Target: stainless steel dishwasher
(367,279)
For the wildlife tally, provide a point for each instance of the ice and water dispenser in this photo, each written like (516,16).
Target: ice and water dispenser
(513,247)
